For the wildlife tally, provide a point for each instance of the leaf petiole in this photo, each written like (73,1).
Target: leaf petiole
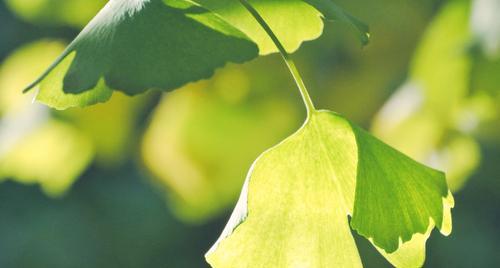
(286,57)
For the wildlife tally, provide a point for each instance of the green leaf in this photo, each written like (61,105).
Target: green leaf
(51,91)
(331,11)
(293,21)
(294,207)
(136,45)
(386,177)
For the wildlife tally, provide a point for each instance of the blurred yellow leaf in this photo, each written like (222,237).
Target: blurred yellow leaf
(203,138)
(20,68)
(421,119)
(56,12)
(53,156)
(33,147)
(111,126)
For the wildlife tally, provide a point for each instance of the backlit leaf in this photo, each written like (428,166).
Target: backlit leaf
(294,207)
(293,21)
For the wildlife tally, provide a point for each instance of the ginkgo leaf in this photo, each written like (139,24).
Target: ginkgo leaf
(303,16)
(134,45)
(294,207)
(293,21)
(417,190)
(51,91)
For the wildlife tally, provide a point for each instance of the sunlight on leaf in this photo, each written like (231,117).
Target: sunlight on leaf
(294,207)
(293,21)
(23,65)
(50,91)
(122,48)
(416,189)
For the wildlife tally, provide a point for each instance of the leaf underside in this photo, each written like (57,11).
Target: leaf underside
(294,208)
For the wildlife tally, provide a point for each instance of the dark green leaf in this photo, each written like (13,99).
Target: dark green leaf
(136,45)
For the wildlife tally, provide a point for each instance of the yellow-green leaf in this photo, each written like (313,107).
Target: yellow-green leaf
(294,207)
(293,21)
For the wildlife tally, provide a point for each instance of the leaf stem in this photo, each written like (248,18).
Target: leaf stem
(286,57)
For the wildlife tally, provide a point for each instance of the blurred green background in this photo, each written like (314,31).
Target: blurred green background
(149,181)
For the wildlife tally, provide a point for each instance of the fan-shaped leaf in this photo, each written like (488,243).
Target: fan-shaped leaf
(293,211)
(293,21)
